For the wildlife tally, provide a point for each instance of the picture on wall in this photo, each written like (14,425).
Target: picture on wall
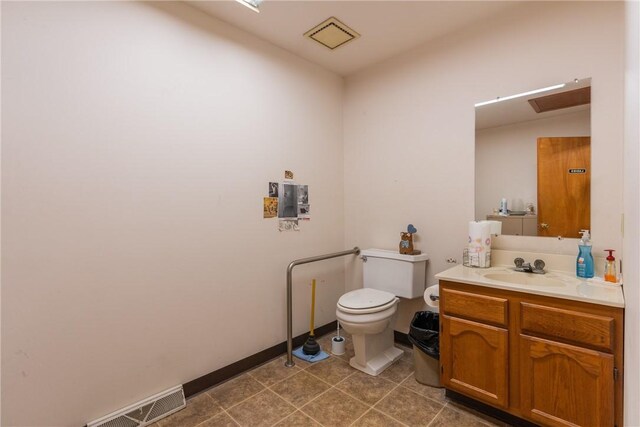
(288,201)
(273,189)
(270,207)
(303,194)
(303,211)
(288,225)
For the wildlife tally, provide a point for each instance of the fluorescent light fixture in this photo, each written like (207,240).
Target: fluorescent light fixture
(531,92)
(251,4)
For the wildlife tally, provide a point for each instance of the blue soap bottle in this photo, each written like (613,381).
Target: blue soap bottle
(584,263)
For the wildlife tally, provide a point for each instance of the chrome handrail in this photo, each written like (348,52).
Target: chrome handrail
(355,251)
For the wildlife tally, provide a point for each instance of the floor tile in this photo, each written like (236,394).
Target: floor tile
(409,407)
(399,371)
(425,390)
(325,342)
(198,409)
(398,399)
(449,417)
(335,409)
(408,349)
(299,363)
(263,409)
(220,420)
(374,418)
(273,372)
(235,391)
(331,370)
(298,419)
(366,388)
(487,419)
(300,388)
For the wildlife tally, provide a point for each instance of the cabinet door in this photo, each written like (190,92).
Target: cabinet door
(530,226)
(512,226)
(564,385)
(474,360)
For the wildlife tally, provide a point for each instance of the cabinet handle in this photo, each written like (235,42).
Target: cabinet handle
(544,225)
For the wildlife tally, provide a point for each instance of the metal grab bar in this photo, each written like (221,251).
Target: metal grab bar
(355,251)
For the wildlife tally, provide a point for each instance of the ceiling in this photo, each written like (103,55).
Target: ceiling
(387,28)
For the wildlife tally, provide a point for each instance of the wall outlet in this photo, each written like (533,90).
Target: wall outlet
(452,261)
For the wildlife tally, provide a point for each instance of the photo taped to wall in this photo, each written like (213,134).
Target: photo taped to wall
(270,207)
(273,189)
(303,194)
(287,201)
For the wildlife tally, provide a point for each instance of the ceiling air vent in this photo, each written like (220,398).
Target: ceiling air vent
(557,101)
(332,33)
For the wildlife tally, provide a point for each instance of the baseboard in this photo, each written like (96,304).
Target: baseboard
(402,338)
(223,374)
(488,410)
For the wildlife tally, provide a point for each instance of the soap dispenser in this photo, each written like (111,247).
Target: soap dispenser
(610,268)
(584,263)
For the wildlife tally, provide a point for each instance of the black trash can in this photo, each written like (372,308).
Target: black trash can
(424,334)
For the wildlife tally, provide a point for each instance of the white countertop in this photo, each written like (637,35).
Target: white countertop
(557,284)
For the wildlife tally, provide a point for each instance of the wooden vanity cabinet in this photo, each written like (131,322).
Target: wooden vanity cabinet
(551,361)
(517,225)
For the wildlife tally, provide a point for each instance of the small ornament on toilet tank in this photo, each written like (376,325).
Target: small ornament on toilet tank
(406,241)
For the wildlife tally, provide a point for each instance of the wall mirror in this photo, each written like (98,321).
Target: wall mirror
(534,150)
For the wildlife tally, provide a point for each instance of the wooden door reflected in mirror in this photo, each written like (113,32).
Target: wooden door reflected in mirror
(564,186)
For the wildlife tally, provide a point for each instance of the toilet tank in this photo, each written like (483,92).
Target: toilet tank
(402,275)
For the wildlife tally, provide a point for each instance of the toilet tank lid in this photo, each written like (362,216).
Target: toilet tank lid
(365,298)
(384,253)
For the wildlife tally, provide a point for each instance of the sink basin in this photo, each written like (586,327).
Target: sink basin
(529,279)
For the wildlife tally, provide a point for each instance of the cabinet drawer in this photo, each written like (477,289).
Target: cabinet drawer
(475,307)
(573,326)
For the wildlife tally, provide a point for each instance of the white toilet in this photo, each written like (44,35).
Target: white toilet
(369,314)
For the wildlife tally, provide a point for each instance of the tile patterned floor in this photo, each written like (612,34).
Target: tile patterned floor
(329,393)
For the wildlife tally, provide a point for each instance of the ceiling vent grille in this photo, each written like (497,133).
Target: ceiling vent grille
(332,33)
(566,99)
(146,411)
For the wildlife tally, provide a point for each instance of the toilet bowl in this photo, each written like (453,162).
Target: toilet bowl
(369,316)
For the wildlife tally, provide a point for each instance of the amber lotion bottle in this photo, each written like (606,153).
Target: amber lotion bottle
(610,268)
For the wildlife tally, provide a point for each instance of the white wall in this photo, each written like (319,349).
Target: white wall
(409,125)
(632,215)
(506,159)
(138,142)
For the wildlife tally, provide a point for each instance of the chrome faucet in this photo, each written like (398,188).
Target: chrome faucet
(525,267)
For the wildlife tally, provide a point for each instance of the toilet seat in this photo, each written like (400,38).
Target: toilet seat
(366,300)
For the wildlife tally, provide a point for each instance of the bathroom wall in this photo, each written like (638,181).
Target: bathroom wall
(138,142)
(632,215)
(409,126)
(511,152)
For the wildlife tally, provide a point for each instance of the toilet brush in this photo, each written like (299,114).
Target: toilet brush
(337,343)
(311,346)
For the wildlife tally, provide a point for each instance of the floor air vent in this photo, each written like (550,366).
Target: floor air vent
(146,411)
